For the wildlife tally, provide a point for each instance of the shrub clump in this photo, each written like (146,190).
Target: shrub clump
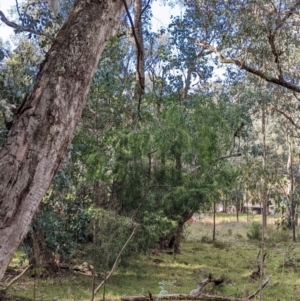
(255,231)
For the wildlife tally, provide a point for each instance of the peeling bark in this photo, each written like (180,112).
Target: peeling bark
(44,126)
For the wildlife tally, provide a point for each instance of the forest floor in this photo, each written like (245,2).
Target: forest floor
(232,256)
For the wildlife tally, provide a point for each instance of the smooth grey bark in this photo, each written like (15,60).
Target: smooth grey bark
(45,123)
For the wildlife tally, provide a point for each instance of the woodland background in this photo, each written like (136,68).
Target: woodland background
(163,135)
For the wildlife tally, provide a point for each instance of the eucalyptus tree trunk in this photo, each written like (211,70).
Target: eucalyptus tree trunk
(264,163)
(140,58)
(291,206)
(45,123)
(263,199)
(214,222)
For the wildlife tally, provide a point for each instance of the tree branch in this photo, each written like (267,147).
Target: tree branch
(271,38)
(228,156)
(17,6)
(16,278)
(196,292)
(195,296)
(216,159)
(143,10)
(288,117)
(116,261)
(241,64)
(21,28)
(256,292)
(140,54)
(288,14)
(180,297)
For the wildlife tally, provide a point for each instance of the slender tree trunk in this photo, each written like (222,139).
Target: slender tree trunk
(264,194)
(264,201)
(237,204)
(140,61)
(291,190)
(214,222)
(191,67)
(45,123)
(175,241)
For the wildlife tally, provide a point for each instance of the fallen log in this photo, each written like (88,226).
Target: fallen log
(199,296)
(262,287)
(179,297)
(201,284)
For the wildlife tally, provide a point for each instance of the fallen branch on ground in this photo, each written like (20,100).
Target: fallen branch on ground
(180,297)
(6,287)
(201,284)
(195,295)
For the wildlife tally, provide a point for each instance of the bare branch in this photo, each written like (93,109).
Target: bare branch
(196,292)
(228,156)
(271,38)
(116,261)
(256,292)
(17,277)
(201,297)
(294,93)
(22,28)
(287,116)
(241,64)
(17,6)
(143,10)
(140,54)
(195,297)
(288,14)
(201,54)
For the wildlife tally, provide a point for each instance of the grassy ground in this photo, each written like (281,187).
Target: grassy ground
(233,256)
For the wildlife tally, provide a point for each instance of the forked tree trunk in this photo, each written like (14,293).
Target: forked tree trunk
(45,124)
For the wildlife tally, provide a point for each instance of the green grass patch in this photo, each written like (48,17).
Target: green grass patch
(232,256)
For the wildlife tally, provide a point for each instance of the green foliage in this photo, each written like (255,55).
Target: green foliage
(255,231)
(155,225)
(63,220)
(109,235)
(181,201)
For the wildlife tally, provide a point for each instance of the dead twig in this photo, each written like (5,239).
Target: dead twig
(116,261)
(195,294)
(201,284)
(16,278)
(256,292)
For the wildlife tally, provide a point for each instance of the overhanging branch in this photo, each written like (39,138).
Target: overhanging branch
(287,116)
(242,65)
(21,28)
(228,156)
